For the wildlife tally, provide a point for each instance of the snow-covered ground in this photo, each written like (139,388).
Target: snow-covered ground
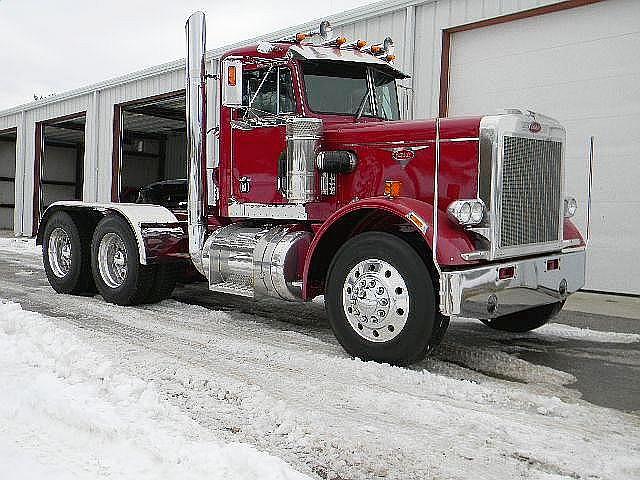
(92,389)
(68,412)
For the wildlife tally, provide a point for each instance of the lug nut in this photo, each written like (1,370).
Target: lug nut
(563,287)
(492,304)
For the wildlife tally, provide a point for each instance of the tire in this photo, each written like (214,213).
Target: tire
(400,305)
(66,255)
(118,274)
(526,320)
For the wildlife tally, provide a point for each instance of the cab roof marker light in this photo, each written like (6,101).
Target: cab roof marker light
(358,45)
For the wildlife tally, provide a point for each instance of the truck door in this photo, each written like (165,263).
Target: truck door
(258,137)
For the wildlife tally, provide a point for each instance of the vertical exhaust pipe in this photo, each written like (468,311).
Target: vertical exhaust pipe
(196,136)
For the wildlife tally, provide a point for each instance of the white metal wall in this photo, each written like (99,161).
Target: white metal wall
(99,106)
(581,70)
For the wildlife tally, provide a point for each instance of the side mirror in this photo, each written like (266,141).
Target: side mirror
(232,83)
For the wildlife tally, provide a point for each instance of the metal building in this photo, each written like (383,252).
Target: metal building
(574,60)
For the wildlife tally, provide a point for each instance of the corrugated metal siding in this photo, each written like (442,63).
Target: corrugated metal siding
(157,85)
(431,20)
(374,23)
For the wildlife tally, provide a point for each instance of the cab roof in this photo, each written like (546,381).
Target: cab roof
(286,50)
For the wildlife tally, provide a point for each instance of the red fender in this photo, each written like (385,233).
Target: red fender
(452,241)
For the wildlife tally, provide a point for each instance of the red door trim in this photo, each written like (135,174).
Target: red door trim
(37,162)
(446,38)
(116,153)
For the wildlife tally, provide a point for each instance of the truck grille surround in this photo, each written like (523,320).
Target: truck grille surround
(531,190)
(521,181)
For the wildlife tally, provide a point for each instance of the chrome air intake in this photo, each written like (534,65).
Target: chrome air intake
(257,260)
(196,135)
(303,140)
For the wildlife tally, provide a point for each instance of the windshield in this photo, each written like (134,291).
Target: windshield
(342,88)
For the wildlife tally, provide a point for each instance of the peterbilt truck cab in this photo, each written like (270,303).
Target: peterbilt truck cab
(304,181)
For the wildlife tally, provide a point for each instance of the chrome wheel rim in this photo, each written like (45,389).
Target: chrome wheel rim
(376,300)
(112,260)
(59,251)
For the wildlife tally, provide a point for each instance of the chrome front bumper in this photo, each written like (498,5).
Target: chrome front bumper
(480,293)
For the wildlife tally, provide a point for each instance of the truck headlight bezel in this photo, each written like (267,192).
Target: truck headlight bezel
(466,213)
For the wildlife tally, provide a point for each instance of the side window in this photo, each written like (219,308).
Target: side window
(386,96)
(263,91)
(271,95)
(287,97)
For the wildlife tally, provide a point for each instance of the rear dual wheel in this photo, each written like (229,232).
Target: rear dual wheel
(66,256)
(118,273)
(381,300)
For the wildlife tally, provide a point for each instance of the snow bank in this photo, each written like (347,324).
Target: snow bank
(66,412)
(575,333)
(558,331)
(20,245)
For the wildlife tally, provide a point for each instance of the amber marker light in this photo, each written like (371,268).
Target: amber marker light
(376,49)
(392,188)
(300,37)
(417,220)
(391,58)
(361,44)
(341,41)
(231,76)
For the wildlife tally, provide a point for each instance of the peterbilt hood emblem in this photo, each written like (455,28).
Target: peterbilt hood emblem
(403,155)
(535,127)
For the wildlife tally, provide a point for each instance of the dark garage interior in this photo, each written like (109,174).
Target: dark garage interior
(152,144)
(60,157)
(7,177)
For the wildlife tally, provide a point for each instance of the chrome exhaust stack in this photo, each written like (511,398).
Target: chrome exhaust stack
(196,101)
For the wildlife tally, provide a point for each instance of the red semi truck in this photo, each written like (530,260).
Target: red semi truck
(316,187)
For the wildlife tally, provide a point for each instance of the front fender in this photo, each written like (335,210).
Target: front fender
(152,225)
(452,241)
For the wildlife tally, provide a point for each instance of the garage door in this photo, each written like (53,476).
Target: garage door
(581,66)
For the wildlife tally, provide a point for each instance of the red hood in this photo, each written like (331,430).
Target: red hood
(405,151)
(409,132)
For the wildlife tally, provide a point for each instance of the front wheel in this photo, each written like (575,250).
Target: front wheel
(381,300)
(526,320)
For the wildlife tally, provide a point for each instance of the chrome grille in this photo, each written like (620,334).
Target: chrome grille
(531,190)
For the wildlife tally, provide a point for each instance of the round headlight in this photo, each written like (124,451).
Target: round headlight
(477,212)
(570,207)
(465,212)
